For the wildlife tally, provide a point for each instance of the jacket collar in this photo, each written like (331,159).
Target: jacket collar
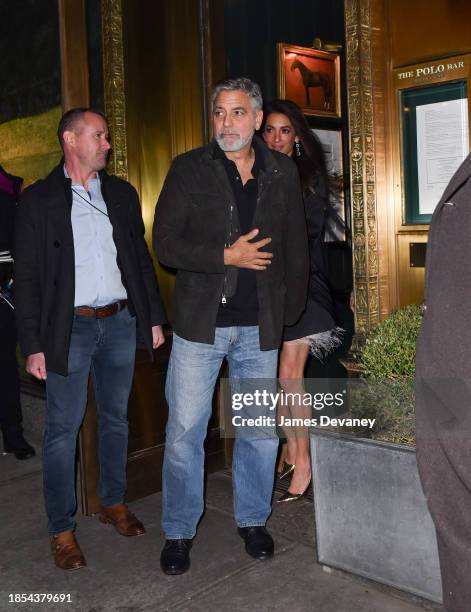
(57,173)
(60,183)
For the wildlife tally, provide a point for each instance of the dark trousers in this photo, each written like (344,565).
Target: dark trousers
(10,408)
(107,348)
(444,459)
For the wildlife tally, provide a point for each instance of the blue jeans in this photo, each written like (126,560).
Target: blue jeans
(107,347)
(191,378)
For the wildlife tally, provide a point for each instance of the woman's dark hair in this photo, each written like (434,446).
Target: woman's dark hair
(311,162)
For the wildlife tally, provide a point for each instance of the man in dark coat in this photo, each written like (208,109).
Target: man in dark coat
(230,219)
(443,387)
(84,277)
(10,406)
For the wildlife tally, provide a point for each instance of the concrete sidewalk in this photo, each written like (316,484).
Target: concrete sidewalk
(123,575)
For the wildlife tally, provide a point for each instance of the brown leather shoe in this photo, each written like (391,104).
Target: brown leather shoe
(66,551)
(122,519)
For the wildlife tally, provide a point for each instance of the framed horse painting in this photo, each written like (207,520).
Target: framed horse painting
(311,78)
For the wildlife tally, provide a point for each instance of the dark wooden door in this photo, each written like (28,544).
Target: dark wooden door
(147,419)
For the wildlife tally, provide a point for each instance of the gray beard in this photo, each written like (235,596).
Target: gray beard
(235,145)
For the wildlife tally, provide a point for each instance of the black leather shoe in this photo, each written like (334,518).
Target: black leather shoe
(19,447)
(175,557)
(258,542)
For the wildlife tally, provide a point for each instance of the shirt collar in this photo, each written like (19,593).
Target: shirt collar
(96,177)
(258,162)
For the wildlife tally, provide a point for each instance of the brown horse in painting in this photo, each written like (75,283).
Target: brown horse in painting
(314,79)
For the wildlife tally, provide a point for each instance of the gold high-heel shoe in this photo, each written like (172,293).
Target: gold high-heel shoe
(292,497)
(286,470)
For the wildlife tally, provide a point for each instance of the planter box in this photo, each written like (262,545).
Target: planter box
(370,513)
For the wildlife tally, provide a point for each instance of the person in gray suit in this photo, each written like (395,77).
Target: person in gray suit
(443,387)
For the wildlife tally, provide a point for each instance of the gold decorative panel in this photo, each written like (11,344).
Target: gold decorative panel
(362,164)
(113,78)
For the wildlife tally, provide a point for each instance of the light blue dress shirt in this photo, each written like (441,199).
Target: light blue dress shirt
(97,276)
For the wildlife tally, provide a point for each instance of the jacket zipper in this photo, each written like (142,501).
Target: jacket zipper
(227,245)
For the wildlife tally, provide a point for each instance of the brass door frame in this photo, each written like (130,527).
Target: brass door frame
(113,82)
(360,92)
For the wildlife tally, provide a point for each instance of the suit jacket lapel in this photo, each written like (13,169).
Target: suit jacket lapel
(59,204)
(113,205)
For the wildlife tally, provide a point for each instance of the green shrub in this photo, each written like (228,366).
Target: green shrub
(386,390)
(389,351)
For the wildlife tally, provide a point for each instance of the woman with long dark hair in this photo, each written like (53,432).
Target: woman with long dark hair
(285,129)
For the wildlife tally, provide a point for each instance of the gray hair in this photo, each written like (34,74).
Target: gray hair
(240,84)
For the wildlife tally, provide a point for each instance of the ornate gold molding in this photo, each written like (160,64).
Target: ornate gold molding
(362,164)
(113,81)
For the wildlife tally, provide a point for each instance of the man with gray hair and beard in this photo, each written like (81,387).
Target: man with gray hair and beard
(230,220)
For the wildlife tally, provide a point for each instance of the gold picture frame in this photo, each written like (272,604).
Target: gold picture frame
(311,79)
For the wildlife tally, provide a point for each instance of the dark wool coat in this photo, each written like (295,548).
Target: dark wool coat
(319,313)
(443,387)
(7,220)
(45,269)
(194,222)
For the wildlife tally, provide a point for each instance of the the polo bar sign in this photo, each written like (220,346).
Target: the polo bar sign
(433,71)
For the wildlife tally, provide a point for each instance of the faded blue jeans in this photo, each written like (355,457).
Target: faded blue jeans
(191,378)
(107,348)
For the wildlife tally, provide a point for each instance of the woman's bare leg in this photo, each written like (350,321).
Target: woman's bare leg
(293,359)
